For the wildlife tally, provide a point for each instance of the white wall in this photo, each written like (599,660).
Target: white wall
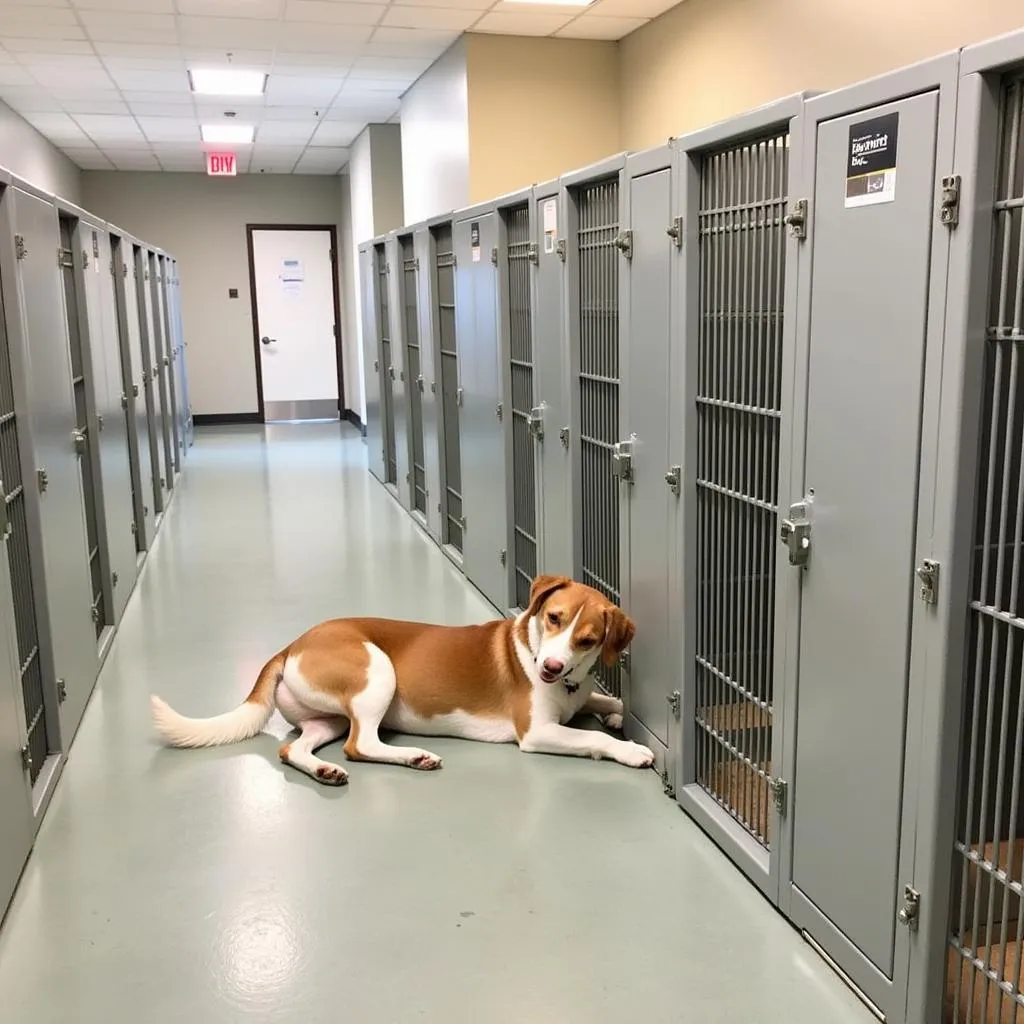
(351,314)
(25,152)
(435,137)
(202,221)
(360,180)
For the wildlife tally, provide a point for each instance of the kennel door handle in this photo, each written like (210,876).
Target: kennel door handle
(266,340)
(795,532)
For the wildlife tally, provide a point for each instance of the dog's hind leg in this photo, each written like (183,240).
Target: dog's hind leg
(367,709)
(316,733)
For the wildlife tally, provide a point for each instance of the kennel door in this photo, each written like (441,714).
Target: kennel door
(371,363)
(871,227)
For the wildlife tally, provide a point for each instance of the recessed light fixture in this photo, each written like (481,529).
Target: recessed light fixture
(227,133)
(227,82)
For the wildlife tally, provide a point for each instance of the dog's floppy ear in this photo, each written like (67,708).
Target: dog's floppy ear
(619,630)
(541,589)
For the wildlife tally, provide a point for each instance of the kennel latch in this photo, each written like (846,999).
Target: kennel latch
(780,792)
(622,460)
(795,532)
(928,575)
(796,219)
(535,422)
(911,909)
(949,201)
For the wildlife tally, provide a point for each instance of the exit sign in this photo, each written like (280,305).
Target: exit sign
(221,164)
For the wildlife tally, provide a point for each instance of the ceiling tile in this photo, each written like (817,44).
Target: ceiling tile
(115,27)
(33,100)
(231,33)
(466,5)
(12,74)
(96,107)
(336,133)
(138,51)
(592,26)
(330,11)
(133,96)
(255,9)
(110,95)
(399,68)
(43,46)
(525,23)
(253,59)
(29,16)
(56,76)
(436,18)
(89,159)
(308,61)
(84,61)
(633,8)
(151,81)
(51,122)
(101,127)
(356,108)
(409,42)
(324,37)
(289,89)
(127,6)
(124,65)
(15,36)
(182,162)
(147,109)
(134,161)
(170,129)
(277,132)
(296,112)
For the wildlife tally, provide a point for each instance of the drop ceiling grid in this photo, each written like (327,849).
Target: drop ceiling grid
(106,81)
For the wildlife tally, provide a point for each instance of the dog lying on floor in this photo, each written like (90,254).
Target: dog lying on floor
(512,680)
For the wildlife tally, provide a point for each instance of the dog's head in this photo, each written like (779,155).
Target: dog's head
(570,625)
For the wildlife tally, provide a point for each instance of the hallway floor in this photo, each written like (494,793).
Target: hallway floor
(218,886)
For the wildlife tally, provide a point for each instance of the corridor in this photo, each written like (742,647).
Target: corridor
(217,886)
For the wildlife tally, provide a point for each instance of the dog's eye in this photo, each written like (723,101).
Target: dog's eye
(553,618)
(586,643)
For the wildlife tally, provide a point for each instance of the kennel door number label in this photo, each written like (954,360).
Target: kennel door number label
(871,161)
(474,240)
(550,224)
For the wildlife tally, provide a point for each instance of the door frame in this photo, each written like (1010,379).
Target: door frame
(335,288)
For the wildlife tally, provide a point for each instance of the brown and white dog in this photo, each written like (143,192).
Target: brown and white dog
(518,680)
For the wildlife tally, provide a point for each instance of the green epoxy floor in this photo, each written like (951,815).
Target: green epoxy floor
(214,887)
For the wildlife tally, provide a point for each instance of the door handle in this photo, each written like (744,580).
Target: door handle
(266,340)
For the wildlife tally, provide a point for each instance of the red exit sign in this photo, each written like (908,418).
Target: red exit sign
(221,164)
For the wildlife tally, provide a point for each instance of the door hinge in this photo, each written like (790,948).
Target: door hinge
(134,529)
(95,614)
(675,231)
(499,411)
(124,269)
(494,255)
(503,557)
(20,252)
(622,460)
(780,793)
(625,661)
(563,436)
(85,260)
(795,532)
(62,691)
(675,703)
(928,573)
(911,908)
(461,520)
(534,253)
(624,243)
(333,255)
(949,203)
(99,422)
(561,249)
(113,272)
(114,579)
(666,785)
(674,479)
(26,759)
(796,219)
(79,440)
(459,393)
(42,479)
(376,366)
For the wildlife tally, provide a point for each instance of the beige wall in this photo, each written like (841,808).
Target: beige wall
(202,221)
(25,152)
(435,137)
(538,108)
(709,59)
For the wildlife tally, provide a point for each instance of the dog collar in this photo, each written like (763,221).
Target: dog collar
(571,687)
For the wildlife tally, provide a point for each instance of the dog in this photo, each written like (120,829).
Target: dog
(516,680)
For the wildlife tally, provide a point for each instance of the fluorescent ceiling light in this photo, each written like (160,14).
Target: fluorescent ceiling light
(227,133)
(227,82)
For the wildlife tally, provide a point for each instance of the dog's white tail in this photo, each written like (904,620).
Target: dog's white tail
(245,721)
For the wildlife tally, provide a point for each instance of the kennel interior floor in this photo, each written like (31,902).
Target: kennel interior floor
(218,886)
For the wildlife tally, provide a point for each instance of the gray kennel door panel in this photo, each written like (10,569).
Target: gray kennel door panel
(550,362)
(53,420)
(481,432)
(114,452)
(868,312)
(651,677)
(371,363)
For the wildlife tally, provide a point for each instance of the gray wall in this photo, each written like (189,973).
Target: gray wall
(435,137)
(202,221)
(25,152)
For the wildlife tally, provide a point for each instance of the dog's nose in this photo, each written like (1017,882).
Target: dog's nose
(553,667)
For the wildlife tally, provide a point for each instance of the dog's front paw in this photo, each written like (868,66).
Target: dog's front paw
(613,722)
(634,755)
